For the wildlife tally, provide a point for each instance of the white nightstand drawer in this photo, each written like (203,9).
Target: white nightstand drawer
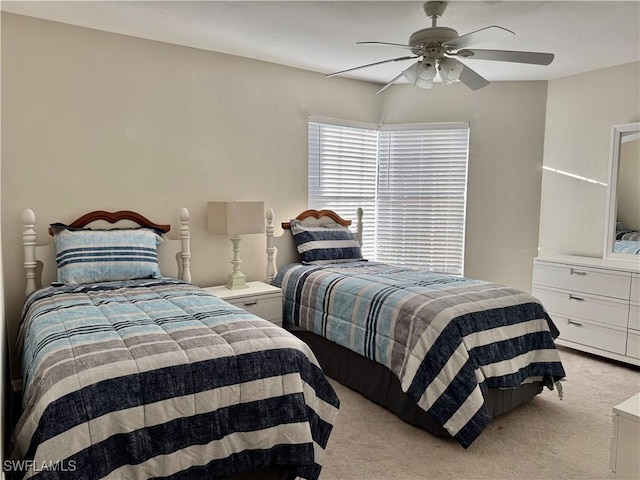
(583,279)
(269,308)
(590,307)
(261,299)
(595,336)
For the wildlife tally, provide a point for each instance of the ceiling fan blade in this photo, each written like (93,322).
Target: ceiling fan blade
(389,84)
(483,35)
(399,59)
(472,79)
(535,58)
(385,43)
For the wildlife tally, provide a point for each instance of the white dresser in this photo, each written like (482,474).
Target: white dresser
(596,306)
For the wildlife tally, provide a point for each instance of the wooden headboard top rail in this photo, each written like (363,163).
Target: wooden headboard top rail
(114,217)
(318,214)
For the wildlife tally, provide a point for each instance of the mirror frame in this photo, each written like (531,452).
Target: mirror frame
(617,131)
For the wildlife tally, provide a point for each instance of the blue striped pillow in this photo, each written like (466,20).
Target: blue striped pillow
(90,256)
(327,243)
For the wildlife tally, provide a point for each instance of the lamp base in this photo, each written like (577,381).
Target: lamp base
(236,280)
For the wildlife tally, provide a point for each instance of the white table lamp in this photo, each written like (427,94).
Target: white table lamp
(235,218)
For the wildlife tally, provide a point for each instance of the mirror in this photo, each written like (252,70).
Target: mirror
(622,240)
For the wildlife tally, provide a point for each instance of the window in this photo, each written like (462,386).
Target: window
(409,179)
(343,172)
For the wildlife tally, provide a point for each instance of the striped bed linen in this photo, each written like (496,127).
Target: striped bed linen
(157,378)
(447,339)
(627,246)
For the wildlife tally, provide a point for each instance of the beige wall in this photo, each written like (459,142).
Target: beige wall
(93,120)
(580,112)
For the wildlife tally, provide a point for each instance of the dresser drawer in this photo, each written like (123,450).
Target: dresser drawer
(269,308)
(634,318)
(592,335)
(583,279)
(633,345)
(605,310)
(635,288)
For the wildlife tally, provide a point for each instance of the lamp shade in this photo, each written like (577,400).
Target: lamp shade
(235,218)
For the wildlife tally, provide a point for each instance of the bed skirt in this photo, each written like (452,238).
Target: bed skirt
(377,383)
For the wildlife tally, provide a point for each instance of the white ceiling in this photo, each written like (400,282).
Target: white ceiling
(321,35)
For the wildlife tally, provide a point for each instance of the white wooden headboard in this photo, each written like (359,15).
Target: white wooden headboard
(40,260)
(282,250)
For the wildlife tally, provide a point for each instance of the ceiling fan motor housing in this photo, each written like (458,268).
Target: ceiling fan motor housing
(434,9)
(430,41)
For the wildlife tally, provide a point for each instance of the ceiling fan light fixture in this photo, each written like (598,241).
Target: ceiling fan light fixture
(433,47)
(426,84)
(450,70)
(421,74)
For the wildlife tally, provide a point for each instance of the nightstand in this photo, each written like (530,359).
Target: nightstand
(625,442)
(259,298)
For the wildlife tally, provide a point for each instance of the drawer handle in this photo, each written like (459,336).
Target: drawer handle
(571,322)
(577,272)
(573,297)
(248,304)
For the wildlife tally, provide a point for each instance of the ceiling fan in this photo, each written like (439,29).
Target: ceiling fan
(436,48)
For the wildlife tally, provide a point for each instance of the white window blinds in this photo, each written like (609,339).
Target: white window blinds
(343,164)
(410,180)
(421,197)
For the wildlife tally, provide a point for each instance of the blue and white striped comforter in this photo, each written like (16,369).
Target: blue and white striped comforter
(157,378)
(446,338)
(627,246)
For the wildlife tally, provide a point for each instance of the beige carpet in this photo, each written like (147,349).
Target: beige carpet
(547,438)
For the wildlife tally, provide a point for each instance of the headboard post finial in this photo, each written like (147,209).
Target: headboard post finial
(29,244)
(185,252)
(269,230)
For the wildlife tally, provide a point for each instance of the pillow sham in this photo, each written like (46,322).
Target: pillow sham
(91,256)
(326,243)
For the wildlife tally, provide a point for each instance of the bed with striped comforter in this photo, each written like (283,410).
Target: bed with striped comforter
(447,339)
(157,378)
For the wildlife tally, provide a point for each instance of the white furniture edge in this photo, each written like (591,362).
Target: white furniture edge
(597,351)
(627,413)
(255,289)
(603,263)
(629,408)
(282,250)
(39,260)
